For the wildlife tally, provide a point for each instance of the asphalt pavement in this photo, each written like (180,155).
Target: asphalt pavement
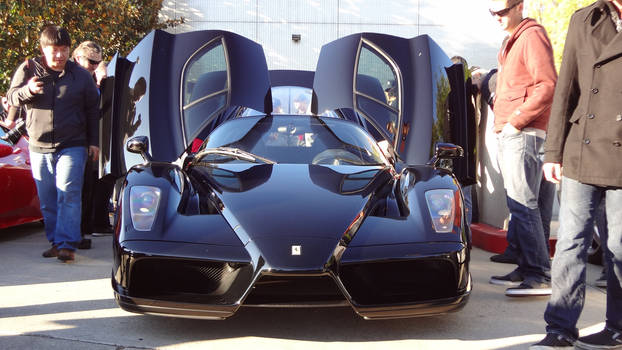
(45,304)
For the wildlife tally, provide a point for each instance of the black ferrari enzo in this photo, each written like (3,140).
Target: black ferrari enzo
(241,186)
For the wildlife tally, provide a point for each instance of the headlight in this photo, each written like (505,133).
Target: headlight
(144,202)
(442,207)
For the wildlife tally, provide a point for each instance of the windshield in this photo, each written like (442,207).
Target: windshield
(295,140)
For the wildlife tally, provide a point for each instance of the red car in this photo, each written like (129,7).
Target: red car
(19,203)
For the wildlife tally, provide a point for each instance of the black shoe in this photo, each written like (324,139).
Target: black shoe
(529,289)
(50,253)
(504,258)
(552,341)
(513,278)
(605,339)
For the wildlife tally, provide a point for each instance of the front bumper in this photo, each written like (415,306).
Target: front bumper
(182,280)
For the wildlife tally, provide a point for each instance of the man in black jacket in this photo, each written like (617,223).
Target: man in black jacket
(62,114)
(583,150)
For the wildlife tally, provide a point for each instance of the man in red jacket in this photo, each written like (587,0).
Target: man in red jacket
(524,93)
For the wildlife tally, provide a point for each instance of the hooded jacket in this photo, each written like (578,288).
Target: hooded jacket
(526,78)
(66,114)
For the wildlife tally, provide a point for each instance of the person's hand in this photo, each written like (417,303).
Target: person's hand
(9,124)
(552,172)
(35,86)
(99,76)
(94,153)
(509,129)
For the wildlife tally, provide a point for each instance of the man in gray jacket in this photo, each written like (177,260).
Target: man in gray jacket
(583,150)
(62,115)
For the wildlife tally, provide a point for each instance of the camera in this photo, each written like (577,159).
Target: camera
(12,136)
(45,79)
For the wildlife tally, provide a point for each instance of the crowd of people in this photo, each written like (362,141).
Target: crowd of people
(563,131)
(558,137)
(560,130)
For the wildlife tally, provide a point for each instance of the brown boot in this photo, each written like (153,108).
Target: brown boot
(50,253)
(66,255)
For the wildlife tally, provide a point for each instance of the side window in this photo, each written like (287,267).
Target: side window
(205,87)
(377,94)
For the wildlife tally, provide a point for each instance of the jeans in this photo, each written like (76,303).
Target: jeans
(59,177)
(579,204)
(546,197)
(600,221)
(521,169)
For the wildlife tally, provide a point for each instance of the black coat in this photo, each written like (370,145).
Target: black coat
(585,127)
(66,114)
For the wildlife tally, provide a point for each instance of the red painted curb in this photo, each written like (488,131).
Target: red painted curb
(492,239)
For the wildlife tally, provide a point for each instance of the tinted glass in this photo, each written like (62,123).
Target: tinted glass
(375,78)
(290,100)
(376,91)
(298,140)
(205,75)
(383,115)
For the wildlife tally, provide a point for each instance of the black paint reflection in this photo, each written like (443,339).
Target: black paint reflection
(227,180)
(347,184)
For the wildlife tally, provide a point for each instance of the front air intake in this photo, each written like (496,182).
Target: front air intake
(410,281)
(186,280)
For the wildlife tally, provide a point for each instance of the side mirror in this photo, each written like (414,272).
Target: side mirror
(445,151)
(140,145)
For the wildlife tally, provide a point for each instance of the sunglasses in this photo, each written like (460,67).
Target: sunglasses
(93,62)
(504,12)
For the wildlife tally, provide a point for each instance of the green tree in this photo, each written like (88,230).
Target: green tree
(555,15)
(117,25)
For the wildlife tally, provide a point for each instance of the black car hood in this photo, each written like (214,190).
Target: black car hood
(293,200)
(282,208)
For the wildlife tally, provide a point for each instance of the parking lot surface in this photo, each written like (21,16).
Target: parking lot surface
(45,304)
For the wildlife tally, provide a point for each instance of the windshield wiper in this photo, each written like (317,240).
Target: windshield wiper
(234,152)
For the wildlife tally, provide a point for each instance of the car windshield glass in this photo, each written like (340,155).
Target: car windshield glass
(296,140)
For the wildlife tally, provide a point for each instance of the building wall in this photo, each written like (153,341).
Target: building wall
(460,27)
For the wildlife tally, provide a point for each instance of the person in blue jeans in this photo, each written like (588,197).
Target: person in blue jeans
(61,100)
(583,150)
(546,197)
(525,85)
